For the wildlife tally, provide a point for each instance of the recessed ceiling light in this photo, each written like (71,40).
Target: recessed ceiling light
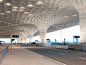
(21,10)
(0,21)
(5,22)
(9,23)
(26,12)
(12,25)
(66,16)
(22,7)
(39,3)
(2,13)
(1,1)
(30,14)
(74,15)
(15,10)
(15,7)
(8,11)
(16,25)
(30,5)
(7,4)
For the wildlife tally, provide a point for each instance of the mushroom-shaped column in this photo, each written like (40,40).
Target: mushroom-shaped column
(42,27)
(41,22)
(31,30)
(25,40)
(24,35)
(22,40)
(18,40)
(80,6)
(42,33)
(30,38)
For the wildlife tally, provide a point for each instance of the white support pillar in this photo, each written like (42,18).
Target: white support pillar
(30,38)
(80,6)
(82,19)
(24,40)
(43,37)
(18,41)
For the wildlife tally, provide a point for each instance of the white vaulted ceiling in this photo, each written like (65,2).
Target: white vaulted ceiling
(19,16)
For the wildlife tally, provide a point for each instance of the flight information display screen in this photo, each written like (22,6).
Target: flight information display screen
(15,36)
(76,36)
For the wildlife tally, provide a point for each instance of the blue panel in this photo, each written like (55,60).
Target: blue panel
(15,36)
(76,36)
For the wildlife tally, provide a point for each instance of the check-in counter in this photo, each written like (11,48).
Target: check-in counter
(77,46)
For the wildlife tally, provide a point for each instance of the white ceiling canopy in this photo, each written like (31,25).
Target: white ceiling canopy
(14,13)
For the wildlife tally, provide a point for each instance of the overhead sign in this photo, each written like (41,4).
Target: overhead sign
(76,36)
(12,40)
(15,36)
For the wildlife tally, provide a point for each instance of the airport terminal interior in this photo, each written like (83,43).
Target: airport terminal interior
(22,19)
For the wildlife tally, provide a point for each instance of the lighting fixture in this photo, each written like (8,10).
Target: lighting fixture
(66,16)
(5,22)
(9,23)
(1,1)
(2,13)
(39,3)
(8,11)
(15,10)
(30,5)
(15,7)
(0,21)
(26,12)
(21,10)
(13,24)
(30,14)
(7,4)
(22,7)
(74,15)
(16,25)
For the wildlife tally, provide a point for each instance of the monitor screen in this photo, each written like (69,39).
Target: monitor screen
(15,36)
(76,36)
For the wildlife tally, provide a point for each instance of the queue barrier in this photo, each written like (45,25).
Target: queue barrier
(77,46)
(3,53)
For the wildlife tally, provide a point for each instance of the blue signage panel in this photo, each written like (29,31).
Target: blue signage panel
(15,36)
(76,36)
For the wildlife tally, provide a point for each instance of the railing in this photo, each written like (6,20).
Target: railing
(60,46)
(77,47)
(2,53)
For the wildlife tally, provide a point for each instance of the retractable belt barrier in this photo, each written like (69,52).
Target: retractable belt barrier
(3,53)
